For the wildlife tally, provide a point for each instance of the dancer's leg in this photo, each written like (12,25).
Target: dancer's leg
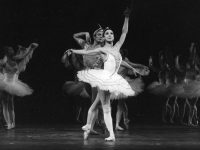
(125,115)
(90,117)
(184,110)
(5,110)
(192,115)
(172,113)
(91,111)
(166,109)
(96,111)
(11,110)
(105,101)
(120,110)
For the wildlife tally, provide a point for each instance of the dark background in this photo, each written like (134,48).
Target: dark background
(154,25)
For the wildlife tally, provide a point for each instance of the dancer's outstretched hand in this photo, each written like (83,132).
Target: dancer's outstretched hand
(127,12)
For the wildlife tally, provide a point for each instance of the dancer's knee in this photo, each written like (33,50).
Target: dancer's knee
(106,109)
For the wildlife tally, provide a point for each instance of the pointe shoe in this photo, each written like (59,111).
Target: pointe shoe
(126,123)
(13,125)
(86,134)
(9,126)
(85,127)
(110,138)
(118,128)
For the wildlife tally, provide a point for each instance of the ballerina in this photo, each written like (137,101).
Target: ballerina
(108,82)
(13,64)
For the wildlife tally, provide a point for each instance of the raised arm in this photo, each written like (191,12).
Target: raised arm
(78,38)
(124,29)
(26,56)
(24,52)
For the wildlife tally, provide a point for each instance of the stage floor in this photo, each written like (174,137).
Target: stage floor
(66,137)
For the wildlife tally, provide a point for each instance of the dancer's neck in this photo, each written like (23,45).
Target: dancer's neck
(108,44)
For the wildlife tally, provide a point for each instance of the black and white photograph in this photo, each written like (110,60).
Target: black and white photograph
(99,74)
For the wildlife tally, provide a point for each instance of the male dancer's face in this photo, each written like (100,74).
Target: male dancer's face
(99,36)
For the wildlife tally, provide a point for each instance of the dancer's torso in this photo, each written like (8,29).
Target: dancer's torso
(10,71)
(92,61)
(113,60)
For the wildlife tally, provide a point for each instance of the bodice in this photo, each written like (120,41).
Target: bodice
(112,63)
(10,70)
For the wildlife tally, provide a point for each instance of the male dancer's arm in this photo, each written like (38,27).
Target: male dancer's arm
(81,41)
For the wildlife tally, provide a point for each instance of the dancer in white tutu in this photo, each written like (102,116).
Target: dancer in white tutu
(107,80)
(13,64)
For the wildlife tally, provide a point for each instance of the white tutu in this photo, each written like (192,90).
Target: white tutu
(191,89)
(103,79)
(136,85)
(158,88)
(15,87)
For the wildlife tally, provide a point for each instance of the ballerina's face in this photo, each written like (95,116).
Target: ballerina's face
(99,36)
(109,35)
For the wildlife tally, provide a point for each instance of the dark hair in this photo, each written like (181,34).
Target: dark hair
(107,28)
(9,51)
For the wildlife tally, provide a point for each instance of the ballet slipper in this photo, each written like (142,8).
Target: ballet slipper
(126,123)
(13,125)
(9,126)
(86,134)
(118,128)
(110,138)
(86,127)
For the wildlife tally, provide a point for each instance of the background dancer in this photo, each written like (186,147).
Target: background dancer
(13,64)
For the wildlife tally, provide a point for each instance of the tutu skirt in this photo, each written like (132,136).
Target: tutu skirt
(104,80)
(15,87)
(136,85)
(158,88)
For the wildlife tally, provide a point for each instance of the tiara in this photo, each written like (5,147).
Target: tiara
(97,30)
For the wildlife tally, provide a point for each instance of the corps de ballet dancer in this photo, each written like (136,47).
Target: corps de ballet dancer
(13,64)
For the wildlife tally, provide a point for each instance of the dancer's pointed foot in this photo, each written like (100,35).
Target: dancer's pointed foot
(118,128)
(13,125)
(85,127)
(86,134)
(126,123)
(9,126)
(110,138)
